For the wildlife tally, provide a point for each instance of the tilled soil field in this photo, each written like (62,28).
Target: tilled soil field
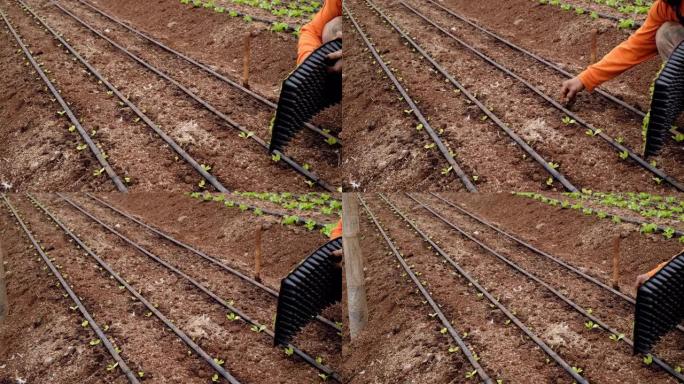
(499,288)
(158,277)
(157,99)
(486,79)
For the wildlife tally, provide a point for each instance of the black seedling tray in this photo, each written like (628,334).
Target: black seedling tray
(306,92)
(659,305)
(312,286)
(667,102)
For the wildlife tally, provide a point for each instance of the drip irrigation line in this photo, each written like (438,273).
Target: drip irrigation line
(517,139)
(539,58)
(536,250)
(120,186)
(435,307)
(169,141)
(596,132)
(249,134)
(168,323)
(414,108)
(211,259)
(204,67)
(74,297)
(604,326)
(308,359)
(548,350)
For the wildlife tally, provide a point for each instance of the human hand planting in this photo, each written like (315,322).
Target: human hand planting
(336,58)
(570,89)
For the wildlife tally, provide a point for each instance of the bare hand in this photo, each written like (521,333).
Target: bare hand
(570,89)
(337,67)
(640,280)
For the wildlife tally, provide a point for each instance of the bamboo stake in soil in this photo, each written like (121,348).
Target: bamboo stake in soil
(592,57)
(616,263)
(353,266)
(246,59)
(257,254)
(4,306)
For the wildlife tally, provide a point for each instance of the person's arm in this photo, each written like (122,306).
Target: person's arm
(310,34)
(640,47)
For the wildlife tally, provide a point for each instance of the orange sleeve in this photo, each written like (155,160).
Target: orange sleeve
(640,47)
(337,231)
(311,34)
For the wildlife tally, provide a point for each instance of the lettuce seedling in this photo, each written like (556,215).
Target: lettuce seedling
(232,317)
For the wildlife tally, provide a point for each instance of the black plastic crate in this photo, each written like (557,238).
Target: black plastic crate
(306,92)
(315,284)
(659,305)
(667,102)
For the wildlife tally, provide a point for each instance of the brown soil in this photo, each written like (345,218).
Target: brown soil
(248,355)
(133,149)
(584,160)
(579,241)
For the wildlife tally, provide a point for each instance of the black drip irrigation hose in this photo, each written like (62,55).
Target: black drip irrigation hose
(435,307)
(289,161)
(517,139)
(91,321)
(214,260)
(169,141)
(120,186)
(604,326)
(548,350)
(204,67)
(597,132)
(539,58)
(308,359)
(168,323)
(536,250)
(428,128)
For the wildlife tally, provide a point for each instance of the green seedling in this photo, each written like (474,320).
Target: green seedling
(443,331)
(617,337)
(85,324)
(310,224)
(246,135)
(111,367)
(429,146)
(331,140)
(257,328)
(669,232)
(232,317)
(289,351)
(280,27)
(323,376)
(591,133)
(247,18)
(258,212)
(578,369)
(590,325)
(624,155)
(447,170)
(81,147)
(453,349)
(218,361)
(648,227)
(648,359)
(567,120)
(471,374)
(95,342)
(98,172)
(215,378)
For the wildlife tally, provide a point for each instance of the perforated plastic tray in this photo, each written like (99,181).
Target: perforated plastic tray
(667,102)
(312,286)
(307,91)
(659,305)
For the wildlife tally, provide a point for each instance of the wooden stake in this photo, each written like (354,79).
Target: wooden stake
(257,254)
(246,60)
(594,35)
(4,305)
(353,265)
(616,263)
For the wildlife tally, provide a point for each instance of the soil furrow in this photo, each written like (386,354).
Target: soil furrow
(111,127)
(501,166)
(255,116)
(583,159)
(53,335)
(259,305)
(554,321)
(495,341)
(210,141)
(144,342)
(609,117)
(194,312)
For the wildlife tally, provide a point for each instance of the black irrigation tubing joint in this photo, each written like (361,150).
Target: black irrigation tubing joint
(435,307)
(414,108)
(206,68)
(74,297)
(120,186)
(517,139)
(548,350)
(604,326)
(203,255)
(169,141)
(168,323)
(206,105)
(308,359)
(617,146)
(542,60)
